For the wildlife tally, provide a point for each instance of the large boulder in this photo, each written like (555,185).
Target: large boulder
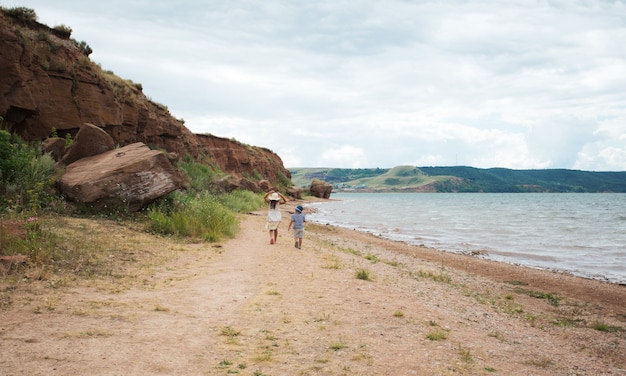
(132,176)
(320,189)
(295,192)
(90,140)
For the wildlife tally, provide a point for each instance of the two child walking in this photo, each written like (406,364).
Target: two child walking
(274,199)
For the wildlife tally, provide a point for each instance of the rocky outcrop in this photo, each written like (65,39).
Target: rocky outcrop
(320,189)
(232,156)
(231,183)
(266,185)
(50,87)
(134,175)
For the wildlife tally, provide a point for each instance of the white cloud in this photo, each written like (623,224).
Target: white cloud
(520,84)
(346,155)
(599,157)
(608,153)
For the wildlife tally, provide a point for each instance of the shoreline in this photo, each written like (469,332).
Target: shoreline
(578,287)
(558,281)
(482,255)
(544,252)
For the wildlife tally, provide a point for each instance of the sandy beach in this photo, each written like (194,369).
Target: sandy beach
(347,303)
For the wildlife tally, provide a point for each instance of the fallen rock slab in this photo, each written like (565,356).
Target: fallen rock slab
(132,175)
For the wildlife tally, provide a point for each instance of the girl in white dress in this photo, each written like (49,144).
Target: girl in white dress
(274,200)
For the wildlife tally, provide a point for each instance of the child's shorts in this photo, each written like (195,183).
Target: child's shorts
(298,233)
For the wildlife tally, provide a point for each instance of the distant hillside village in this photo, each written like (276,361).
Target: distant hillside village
(349,187)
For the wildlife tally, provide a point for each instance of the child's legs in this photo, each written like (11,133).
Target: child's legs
(298,234)
(273,229)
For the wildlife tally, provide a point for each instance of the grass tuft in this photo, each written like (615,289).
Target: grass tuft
(552,298)
(438,334)
(604,327)
(336,346)
(230,332)
(363,274)
(466,354)
(224,364)
(565,322)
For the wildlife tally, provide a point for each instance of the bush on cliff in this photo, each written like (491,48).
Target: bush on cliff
(21,14)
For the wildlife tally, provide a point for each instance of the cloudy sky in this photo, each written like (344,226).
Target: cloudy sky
(523,84)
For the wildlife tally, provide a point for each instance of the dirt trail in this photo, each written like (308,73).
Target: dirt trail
(250,308)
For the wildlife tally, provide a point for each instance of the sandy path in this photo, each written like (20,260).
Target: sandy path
(246,307)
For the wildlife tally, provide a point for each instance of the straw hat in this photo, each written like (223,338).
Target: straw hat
(274,197)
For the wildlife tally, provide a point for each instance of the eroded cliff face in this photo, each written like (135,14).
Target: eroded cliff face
(256,162)
(48,85)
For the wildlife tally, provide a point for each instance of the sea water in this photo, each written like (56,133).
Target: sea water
(580,233)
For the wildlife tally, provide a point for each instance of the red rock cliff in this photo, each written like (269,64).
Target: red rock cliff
(49,85)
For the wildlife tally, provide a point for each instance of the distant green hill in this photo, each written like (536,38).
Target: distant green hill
(462,179)
(304,176)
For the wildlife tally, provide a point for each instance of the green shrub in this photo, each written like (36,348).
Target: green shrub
(84,48)
(63,31)
(199,174)
(241,201)
(363,274)
(201,216)
(282,180)
(68,140)
(39,244)
(6,154)
(26,181)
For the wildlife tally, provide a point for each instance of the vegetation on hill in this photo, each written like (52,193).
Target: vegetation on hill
(507,180)
(28,16)
(397,178)
(463,179)
(304,176)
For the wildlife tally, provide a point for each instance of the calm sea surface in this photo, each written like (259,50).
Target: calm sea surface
(581,233)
